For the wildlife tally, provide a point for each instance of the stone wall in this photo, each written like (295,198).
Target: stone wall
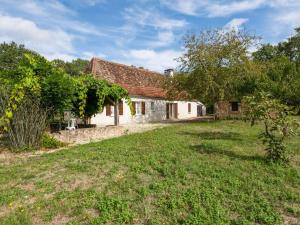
(86,135)
(223,110)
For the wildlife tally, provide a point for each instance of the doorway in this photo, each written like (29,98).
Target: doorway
(199,111)
(172,111)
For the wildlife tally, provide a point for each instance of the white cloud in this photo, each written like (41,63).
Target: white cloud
(151,18)
(188,7)
(38,8)
(50,13)
(150,59)
(163,39)
(235,23)
(93,2)
(212,8)
(284,18)
(219,10)
(50,43)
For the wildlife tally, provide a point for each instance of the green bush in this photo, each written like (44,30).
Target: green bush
(50,142)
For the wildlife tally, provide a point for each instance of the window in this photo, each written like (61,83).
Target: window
(152,106)
(189,108)
(234,106)
(110,109)
(138,107)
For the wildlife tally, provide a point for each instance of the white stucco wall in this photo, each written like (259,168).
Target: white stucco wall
(158,114)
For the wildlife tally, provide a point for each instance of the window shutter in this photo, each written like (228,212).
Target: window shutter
(143,108)
(120,108)
(189,107)
(108,110)
(176,111)
(133,107)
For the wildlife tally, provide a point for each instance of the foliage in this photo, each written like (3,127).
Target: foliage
(76,67)
(25,82)
(50,142)
(280,75)
(188,173)
(54,91)
(214,60)
(27,123)
(291,47)
(10,56)
(57,91)
(92,94)
(277,123)
(265,53)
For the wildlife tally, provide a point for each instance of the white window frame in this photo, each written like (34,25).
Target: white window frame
(138,108)
(152,106)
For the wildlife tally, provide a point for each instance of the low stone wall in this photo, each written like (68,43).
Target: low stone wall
(86,135)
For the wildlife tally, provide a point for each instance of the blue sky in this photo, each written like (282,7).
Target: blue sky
(144,33)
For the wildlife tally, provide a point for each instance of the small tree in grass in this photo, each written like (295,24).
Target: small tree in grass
(278,124)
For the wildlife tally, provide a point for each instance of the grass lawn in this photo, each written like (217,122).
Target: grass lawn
(196,173)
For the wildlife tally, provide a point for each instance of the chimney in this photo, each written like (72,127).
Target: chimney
(169,72)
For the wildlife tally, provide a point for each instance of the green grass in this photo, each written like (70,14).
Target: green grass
(196,173)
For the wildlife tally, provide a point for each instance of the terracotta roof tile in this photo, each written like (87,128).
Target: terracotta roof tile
(137,81)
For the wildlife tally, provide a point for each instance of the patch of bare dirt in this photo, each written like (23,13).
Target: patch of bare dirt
(289,220)
(60,220)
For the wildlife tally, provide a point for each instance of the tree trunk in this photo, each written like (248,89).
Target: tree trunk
(116,113)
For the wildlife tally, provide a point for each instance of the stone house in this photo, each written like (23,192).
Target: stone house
(149,99)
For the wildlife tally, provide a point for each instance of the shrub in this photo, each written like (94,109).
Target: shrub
(50,142)
(27,123)
(278,125)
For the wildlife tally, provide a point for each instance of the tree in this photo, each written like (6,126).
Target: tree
(10,56)
(214,63)
(278,125)
(265,53)
(291,47)
(76,67)
(280,75)
(57,92)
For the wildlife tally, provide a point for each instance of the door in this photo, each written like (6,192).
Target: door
(199,110)
(167,111)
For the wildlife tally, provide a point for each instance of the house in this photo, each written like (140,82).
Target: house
(148,98)
(228,109)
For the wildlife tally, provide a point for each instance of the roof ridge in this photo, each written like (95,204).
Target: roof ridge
(131,67)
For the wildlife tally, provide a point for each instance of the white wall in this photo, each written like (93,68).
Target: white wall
(158,114)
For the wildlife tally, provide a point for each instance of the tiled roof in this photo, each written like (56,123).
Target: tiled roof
(137,81)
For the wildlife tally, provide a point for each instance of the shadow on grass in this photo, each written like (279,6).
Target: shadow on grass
(215,135)
(209,148)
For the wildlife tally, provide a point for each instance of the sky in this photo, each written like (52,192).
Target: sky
(145,33)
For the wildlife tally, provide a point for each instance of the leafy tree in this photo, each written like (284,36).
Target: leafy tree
(266,52)
(75,68)
(214,63)
(57,92)
(10,56)
(280,75)
(278,125)
(291,47)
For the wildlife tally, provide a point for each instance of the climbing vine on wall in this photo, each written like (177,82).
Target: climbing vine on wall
(93,94)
